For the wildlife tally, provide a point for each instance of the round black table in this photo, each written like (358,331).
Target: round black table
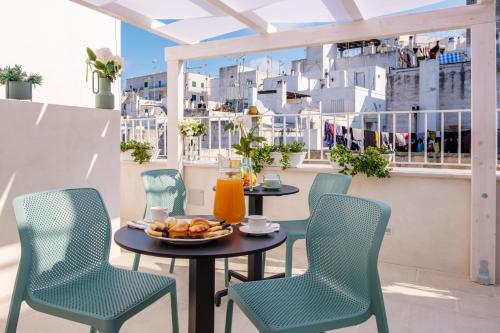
(202,264)
(255,197)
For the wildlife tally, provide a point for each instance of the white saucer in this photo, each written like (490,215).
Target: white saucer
(267,231)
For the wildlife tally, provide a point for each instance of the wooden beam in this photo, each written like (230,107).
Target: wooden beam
(248,18)
(380,27)
(484,153)
(175,114)
(122,13)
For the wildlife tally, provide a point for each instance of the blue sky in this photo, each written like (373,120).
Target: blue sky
(144,52)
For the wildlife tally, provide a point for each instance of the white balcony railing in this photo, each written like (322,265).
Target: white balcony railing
(435,137)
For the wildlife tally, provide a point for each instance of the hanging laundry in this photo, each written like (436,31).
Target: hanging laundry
(329,136)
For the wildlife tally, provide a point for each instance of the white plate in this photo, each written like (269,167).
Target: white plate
(180,241)
(267,231)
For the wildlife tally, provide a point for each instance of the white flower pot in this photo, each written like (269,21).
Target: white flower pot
(126,155)
(334,164)
(389,157)
(277,158)
(296,159)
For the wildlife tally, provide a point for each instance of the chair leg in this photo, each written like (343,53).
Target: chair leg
(379,308)
(226,272)
(137,260)
(175,316)
(15,307)
(172,265)
(229,316)
(289,257)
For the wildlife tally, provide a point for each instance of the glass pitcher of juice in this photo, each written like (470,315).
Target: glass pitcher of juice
(229,204)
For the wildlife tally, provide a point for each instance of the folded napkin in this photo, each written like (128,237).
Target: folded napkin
(137,224)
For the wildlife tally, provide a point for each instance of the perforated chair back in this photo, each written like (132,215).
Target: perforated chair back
(165,188)
(343,241)
(327,183)
(64,234)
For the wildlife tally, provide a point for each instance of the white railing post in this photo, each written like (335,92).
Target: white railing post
(175,112)
(484,137)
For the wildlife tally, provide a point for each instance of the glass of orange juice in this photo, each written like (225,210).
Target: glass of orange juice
(229,205)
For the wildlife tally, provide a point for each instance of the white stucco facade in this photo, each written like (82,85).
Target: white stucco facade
(50,39)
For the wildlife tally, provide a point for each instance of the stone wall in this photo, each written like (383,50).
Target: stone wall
(454,87)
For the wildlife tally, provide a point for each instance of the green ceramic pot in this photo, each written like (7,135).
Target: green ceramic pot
(104,98)
(18,90)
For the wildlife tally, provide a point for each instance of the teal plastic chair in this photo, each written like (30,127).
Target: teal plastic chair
(341,286)
(163,187)
(296,229)
(64,269)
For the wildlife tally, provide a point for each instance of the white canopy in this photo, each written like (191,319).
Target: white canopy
(192,21)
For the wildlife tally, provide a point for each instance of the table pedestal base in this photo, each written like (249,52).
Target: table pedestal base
(201,293)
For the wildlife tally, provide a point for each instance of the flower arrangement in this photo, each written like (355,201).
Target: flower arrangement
(104,63)
(249,137)
(192,127)
(16,74)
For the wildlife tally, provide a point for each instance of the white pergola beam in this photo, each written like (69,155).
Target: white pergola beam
(484,153)
(175,114)
(380,27)
(125,14)
(248,18)
(352,9)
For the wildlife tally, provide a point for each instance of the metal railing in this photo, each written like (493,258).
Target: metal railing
(430,137)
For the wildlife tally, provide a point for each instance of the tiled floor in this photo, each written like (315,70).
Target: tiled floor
(416,301)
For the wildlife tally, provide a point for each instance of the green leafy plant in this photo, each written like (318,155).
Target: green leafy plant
(345,158)
(261,156)
(16,74)
(140,150)
(249,136)
(372,163)
(192,127)
(104,63)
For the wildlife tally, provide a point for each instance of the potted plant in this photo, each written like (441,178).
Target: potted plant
(342,158)
(261,157)
(192,130)
(18,84)
(386,153)
(139,152)
(372,163)
(288,155)
(107,67)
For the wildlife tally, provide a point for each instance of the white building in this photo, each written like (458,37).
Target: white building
(356,89)
(232,86)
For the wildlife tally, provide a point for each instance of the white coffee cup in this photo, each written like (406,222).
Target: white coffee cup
(257,223)
(159,213)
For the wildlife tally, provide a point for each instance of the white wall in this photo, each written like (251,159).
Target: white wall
(50,38)
(47,146)
(430,209)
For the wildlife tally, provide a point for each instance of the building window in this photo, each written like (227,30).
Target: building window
(193,84)
(145,84)
(193,98)
(202,98)
(359,79)
(159,83)
(202,85)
